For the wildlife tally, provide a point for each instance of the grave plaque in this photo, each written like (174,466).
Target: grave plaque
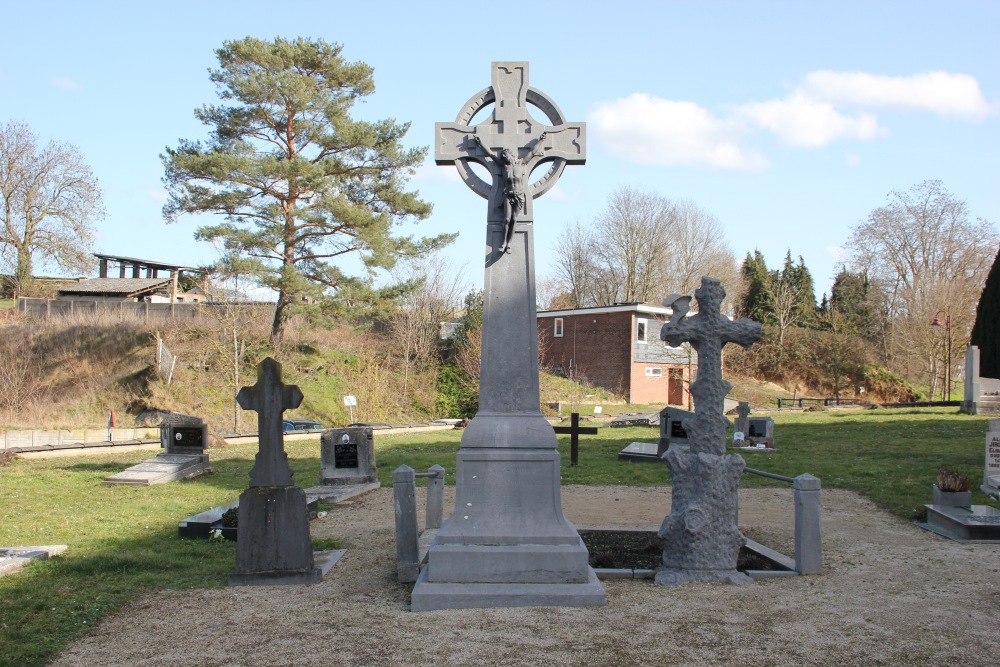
(991,476)
(760,432)
(347,456)
(672,428)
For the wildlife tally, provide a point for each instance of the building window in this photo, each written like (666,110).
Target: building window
(640,331)
(558,328)
(654,372)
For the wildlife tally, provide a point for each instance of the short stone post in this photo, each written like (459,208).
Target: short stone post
(435,498)
(808,542)
(404,491)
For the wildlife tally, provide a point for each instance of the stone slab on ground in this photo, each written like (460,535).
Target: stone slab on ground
(335,494)
(13,559)
(432,596)
(323,562)
(640,451)
(976,524)
(161,469)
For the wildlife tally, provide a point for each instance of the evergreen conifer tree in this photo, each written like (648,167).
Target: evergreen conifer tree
(986,331)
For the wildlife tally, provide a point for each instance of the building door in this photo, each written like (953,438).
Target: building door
(675,386)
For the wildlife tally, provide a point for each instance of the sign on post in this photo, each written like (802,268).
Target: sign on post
(349,403)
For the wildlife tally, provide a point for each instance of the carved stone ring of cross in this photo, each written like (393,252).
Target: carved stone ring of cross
(480,101)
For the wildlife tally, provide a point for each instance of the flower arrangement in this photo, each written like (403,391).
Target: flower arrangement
(953,481)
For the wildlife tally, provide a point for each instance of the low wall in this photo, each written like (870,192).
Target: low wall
(11,439)
(143,310)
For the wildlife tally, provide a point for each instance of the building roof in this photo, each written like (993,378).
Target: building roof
(617,308)
(115,286)
(145,262)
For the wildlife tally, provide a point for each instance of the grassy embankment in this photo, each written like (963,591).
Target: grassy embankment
(123,541)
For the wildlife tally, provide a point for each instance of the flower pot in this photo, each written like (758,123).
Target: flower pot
(952,498)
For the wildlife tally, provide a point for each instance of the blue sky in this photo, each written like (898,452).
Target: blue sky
(788,121)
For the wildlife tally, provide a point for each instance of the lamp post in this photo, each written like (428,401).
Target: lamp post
(947,327)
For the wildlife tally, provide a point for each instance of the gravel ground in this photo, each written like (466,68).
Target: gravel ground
(890,594)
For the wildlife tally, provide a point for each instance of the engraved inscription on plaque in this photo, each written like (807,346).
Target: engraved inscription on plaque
(345,455)
(676,430)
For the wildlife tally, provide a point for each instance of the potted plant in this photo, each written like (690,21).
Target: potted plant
(952,489)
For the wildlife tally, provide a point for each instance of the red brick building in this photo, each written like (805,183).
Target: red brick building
(618,348)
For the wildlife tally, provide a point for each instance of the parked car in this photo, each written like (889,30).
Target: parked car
(302,425)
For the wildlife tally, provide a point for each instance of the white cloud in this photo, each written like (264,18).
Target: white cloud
(64,83)
(653,130)
(558,193)
(942,92)
(838,253)
(429,172)
(808,123)
(158,195)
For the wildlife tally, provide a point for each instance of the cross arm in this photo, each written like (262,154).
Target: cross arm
(454,141)
(567,141)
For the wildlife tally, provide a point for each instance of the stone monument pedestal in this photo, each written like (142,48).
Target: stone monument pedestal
(274,545)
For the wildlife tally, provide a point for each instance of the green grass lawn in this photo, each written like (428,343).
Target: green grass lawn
(123,541)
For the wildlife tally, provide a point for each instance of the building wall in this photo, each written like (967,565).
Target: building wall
(602,348)
(594,347)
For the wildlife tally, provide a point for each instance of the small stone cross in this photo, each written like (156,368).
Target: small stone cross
(270,398)
(708,331)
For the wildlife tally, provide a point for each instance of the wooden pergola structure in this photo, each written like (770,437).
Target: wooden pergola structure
(132,267)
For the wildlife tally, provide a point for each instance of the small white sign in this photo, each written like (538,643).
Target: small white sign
(350,401)
(598,409)
(738,436)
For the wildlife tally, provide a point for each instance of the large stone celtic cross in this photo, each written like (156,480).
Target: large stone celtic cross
(510,144)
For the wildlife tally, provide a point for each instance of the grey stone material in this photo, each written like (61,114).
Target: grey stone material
(742,422)
(407,532)
(508,527)
(952,498)
(672,428)
(808,537)
(701,538)
(347,456)
(760,431)
(161,469)
(640,451)
(13,559)
(274,546)
(435,498)
(975,524)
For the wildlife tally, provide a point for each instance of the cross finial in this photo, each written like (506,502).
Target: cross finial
(269,398)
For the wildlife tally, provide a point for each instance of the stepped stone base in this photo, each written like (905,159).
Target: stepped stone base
(428,596)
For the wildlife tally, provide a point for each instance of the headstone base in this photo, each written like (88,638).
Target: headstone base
(672,577)
(428,596)
(977,523)
(161,469)
(274,545)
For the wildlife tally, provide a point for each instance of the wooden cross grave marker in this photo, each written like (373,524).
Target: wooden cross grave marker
(575,431)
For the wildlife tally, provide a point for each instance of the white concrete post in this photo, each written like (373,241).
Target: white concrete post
(404,491)
(808,540)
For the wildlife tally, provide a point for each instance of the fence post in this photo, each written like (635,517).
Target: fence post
(808,540)
(435,497)
(404,491)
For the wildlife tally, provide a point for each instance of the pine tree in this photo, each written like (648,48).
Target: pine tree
(755,303)
(299,182)
(986,331)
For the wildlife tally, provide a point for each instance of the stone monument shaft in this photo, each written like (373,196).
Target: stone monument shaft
(508,543)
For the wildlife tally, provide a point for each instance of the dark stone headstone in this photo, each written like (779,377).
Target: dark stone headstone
(347,456)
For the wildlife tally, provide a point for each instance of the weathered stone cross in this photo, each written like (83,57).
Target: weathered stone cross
(270,398)
(708,331)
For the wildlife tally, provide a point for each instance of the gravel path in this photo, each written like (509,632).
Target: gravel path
(890,594)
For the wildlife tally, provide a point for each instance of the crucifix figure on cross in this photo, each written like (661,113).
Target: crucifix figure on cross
(514,179)
(270,398)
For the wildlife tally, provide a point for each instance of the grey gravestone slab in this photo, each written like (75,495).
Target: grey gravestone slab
(347,457)
(13,559)
(274,545)
(635,419)
(672,428)
(977,523)
(701,538)
(161,469)
(742,421)
(508,543)
(640,451)
(760,431)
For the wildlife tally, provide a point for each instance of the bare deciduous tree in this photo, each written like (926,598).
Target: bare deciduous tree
(49,199)
(927,256)
(697,247)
